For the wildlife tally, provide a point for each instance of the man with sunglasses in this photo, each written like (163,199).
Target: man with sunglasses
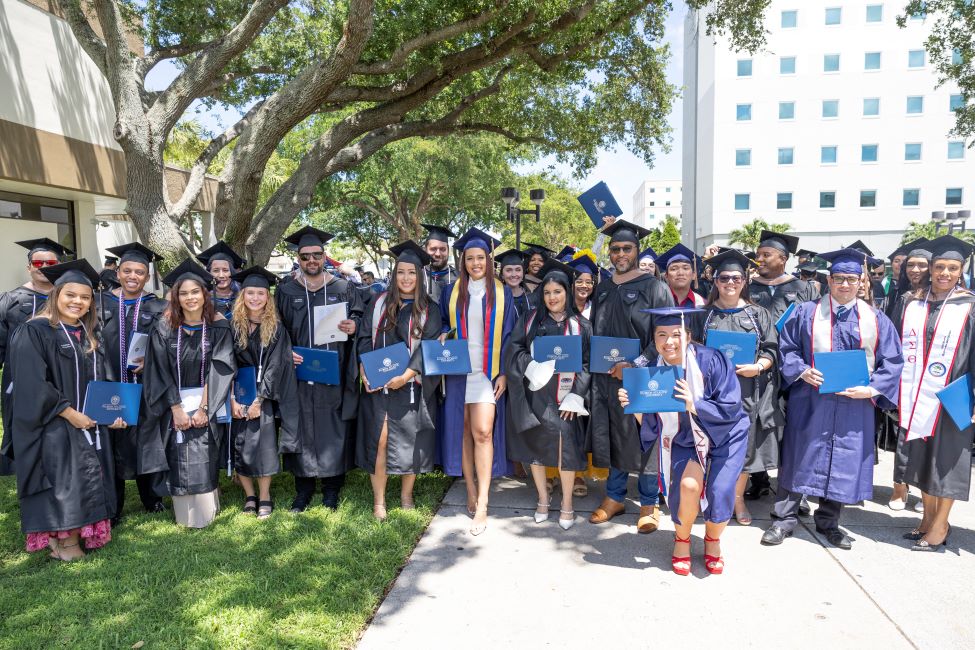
(17,306)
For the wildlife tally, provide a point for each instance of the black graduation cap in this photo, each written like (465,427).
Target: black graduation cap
(44,244)
(475,237)
(904,249)
(410,251)
(79,271)
(511,257)
(809,267)
(188,268)
(135,252)
(255,276)
(552,264)
(949,247)
(530,249)
(622,230)
(221,251)
(858,245)
(111,259)
(785,243)
(730,260)
(805,252)
(309,236)
(566,252)
(438,233)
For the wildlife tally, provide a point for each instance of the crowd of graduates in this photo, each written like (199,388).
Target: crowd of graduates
(219,327)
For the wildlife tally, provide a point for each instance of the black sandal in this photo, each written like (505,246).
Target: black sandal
(264,509)
(249,507)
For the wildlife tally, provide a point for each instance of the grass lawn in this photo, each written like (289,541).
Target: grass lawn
(305,581)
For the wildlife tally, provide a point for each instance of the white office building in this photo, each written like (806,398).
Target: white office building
(656,199)
(836,128)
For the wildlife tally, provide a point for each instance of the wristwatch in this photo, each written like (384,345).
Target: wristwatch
(205,407)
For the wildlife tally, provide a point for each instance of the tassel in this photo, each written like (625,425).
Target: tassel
(98,440)
(88,436)
(411,392)
(179,437)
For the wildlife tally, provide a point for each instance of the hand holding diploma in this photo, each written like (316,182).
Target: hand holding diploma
(812,377)
(857,392)
(682,391)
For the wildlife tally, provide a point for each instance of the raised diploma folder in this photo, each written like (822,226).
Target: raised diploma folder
(105,401)
(651,389)
(842,370)
(385,363)
(566,351)
(451,358)
(318,366)
(956,399)
(606,351)
(137,349)
(779,324)
(738,347)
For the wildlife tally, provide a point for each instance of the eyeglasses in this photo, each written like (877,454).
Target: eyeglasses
(307,257)
(40,264)
(845,279)
(585,283)
(616,250)
(730,279)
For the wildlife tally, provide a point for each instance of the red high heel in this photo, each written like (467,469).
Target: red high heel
(678,562)
(713,563)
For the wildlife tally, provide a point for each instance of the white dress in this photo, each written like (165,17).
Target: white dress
(479,387)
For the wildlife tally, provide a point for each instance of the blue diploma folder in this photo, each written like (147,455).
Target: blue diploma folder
(606,351)
(451,358)
(779,324)
(598,202)
(956,399)
(385,363)
(105,401)
(651,389)
(842,370)
(566,351)
(245,386)
(318,366)
(739,347)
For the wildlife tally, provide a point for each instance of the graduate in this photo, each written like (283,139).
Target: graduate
(544,425)
(939,454)
(773,288)
(511,263)
(479,308)
(729,309)
(702,451)
(17,306)
(648,261)
(535,256)
(123,312)
(261,343)
(619,311)
(189,373)
(65,481)
(585,278)
(397,433)
(828,446)
(327,445)
(897,259)
(108,277)
(221,261)
(439,273)
(679,268)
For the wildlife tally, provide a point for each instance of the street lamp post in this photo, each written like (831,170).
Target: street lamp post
(511,196)
(950,221)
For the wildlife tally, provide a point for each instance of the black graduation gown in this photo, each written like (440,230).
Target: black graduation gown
(63,481)
(150,309)
(535,427)
(616,311)
(526,302)
(225,304)
(409,412)
(256,444)
(760,395)
(435,284)
(795,290)
(191,466)
(326,436)
(108,280)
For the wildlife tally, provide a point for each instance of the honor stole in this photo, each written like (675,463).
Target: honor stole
(493,324)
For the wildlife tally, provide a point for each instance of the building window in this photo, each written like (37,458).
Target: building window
(831,63)
(743,157)
(871,106)
(653,189)
(783,201)
(787,65)
(915,59)
(787,110)
(667,204)
(743,201)
(666,189)
(24,207)
(869,152)
(744,67)
(831,108)
(875,13)
(956,102)
(827,199)
(834,15)
(956,57)
(953,196)
(827,155)
(653,204)
(786,155)
(790,19)
(912,151)
(743,112)
(915,105)
(871,61)
(956,151)
(868,198)
(912,198)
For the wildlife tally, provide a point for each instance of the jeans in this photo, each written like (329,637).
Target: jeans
(646,484)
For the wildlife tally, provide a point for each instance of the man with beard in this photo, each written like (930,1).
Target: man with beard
(439,273)
(619,310)
(325,430)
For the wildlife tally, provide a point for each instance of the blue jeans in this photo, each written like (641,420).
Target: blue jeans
(646,484)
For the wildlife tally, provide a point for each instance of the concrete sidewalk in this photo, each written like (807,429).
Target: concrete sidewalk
(522,583)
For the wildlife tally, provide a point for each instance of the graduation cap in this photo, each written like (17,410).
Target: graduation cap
(511,257)
(846,260)
(919,244)
(566,252)
(805,252)
(44,244)
(552,265)
(809,267)
(598,202)
(134,252)
(477,238)
(438,233)
(731,260)
(949,247)
(584,264)
(221,251)
(188,269)
(858,245)
(111,259)
(623,230)
(652,254)
(779,241)
(79,271)
(670,316)
(309,236)
(531,249)
(255,276)
(678,253)
(411,252)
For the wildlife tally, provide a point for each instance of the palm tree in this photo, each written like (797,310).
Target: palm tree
(750,234)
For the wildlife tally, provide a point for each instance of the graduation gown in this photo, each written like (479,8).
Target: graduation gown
(150,309)
(723,419)
(327,436)
(535,426)
(617,312)
(760,394)
(437,280)
(409,411)
(225,305)
(778,298)
(525,302)
(63,480)
(828,443)
(256,444)
(191,465)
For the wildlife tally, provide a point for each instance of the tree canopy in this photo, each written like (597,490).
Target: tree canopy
(750,234)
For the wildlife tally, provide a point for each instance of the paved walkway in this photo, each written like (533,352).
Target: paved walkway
(526,584)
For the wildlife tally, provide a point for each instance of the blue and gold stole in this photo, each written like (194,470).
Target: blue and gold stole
(493,322)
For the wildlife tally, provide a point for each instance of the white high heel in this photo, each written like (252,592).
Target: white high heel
(566,524)
(541,517)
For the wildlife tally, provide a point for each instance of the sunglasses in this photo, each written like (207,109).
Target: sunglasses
(307,257)
(40,264)
(730,279)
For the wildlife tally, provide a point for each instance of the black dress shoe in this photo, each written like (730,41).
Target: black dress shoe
(775,535)
(756,492)
(804,509)
(913,535)
(115,521)
(837,538)
(330,499)
(299,505)
(158,506)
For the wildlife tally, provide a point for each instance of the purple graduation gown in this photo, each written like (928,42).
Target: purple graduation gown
(723,419)
(828,446)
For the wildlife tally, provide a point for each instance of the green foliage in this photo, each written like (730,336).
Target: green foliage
(666,235)
(741,21)
(918,229)
(562,219)
(750,234)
